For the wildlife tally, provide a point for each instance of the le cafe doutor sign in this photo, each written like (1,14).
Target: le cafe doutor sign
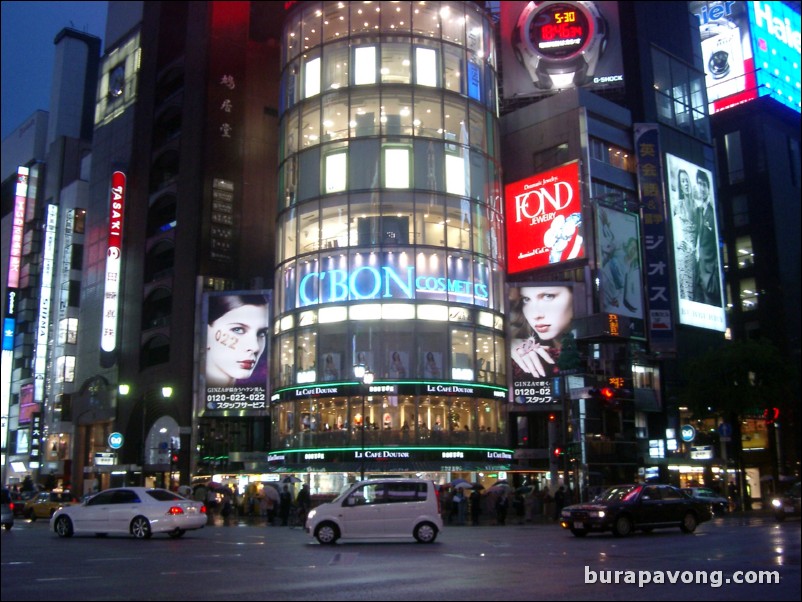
(414,388)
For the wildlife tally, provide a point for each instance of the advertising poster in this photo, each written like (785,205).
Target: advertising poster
(726,53)
(620,279)
(544,219)
(551,46)
(697,264)
(235,334)
(542,339)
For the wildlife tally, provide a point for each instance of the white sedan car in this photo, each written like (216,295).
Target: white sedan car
(137,511)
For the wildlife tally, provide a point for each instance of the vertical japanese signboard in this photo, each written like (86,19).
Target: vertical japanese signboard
(658,280)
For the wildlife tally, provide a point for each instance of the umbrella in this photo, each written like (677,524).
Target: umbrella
(291,479)
(501,482)
(464,485)
(524,489)
(499,488)
(477,486)
(215,485)
(270,492)
(458,482)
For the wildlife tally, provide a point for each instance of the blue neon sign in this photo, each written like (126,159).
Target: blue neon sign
(385,282)
(775,30)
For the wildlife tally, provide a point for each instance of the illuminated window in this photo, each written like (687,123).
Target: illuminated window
(312,77)
(426,67)
(744,251)
(396,167)
(455,174)
(336,170)
(364,65)
(749,294)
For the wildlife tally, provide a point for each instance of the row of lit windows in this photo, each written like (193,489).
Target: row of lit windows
(389,420)
(455,22)
(373,164)
(392,349)
(343,66)
(391,219)
(388,112)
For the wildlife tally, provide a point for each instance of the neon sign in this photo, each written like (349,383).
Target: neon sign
(386,282)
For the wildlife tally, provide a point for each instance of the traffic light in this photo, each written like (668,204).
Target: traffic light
(557,451)
(602,393)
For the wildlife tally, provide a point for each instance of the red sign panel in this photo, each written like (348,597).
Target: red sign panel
(544,219)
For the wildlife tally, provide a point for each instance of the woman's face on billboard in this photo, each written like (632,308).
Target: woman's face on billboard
(236,341)
(549,310)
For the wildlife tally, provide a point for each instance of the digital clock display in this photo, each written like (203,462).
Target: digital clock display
(559,31)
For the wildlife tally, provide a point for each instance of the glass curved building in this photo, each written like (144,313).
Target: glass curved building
(390,242)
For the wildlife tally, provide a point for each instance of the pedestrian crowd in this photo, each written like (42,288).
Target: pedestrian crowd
(501,504)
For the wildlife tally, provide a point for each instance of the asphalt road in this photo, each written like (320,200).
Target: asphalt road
(245,561)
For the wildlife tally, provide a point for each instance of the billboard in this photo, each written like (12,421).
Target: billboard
(544,219)
(697,263)
(749,49)
(542,338)
(620,278)
(114,251)
(234,359)
(551,46)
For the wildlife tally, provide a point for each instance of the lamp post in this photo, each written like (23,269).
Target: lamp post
(366,376)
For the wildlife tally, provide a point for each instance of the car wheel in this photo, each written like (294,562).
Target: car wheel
(579,532)
(30,515)
(327,533)
(140,528)
(63,526)
(689,523)
(176,534)
(622,526)
(425,533)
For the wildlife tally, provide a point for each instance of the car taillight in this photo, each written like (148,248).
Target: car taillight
(175,510)
(11,506)
(203,509)
(437,497)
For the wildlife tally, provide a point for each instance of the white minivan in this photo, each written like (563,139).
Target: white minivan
(379,508)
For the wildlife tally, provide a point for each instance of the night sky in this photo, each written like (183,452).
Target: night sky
(28,31)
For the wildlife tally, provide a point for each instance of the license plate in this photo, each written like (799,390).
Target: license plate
(578,525)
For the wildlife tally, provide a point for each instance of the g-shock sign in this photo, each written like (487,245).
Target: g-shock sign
(559,30)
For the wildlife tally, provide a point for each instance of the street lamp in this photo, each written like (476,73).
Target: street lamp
(366,376)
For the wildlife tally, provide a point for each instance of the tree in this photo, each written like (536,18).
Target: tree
(744,378)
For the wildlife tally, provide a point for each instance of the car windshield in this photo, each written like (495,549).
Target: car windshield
(618,494)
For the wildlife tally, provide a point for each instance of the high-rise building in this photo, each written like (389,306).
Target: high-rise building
(390,255)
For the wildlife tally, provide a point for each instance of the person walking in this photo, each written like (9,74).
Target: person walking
(285,503)
(476,507)
(559,502)
(304,502)
(502,503)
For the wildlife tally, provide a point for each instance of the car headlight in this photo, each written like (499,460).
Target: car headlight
(597,513)
(311,514)
(776,503)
